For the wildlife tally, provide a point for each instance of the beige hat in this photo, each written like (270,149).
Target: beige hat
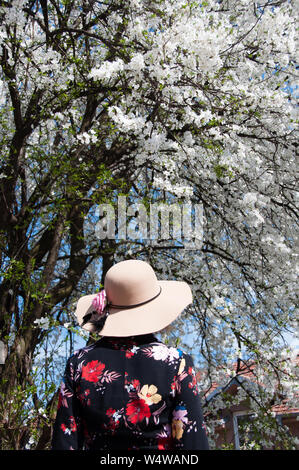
(135,302)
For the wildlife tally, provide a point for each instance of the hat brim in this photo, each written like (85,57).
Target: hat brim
(148,318)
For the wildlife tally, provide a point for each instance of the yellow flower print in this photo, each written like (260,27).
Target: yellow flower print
(177,427)
(182,366)
(179,421)
(149,395)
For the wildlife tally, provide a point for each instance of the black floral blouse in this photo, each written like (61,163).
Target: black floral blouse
(131,393)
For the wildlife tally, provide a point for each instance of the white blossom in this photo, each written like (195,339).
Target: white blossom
(107,70)
(43,323)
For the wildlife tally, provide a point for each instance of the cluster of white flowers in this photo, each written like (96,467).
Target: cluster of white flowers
(163,353)
(136,63)
(126,122)
(43,323)
(30,443)
(178,190)
(88,137)
(107,70)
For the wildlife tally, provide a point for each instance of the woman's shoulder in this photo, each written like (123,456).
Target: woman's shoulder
(81,352)
(150,347)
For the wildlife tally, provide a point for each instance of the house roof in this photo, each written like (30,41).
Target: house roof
(246,371)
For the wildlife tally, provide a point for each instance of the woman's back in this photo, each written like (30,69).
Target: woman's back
(129,393)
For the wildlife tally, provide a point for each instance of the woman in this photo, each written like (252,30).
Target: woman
(128,390)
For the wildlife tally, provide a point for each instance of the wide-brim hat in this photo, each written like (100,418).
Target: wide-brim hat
(137,302)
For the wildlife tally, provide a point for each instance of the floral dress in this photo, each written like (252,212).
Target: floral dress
(129,393)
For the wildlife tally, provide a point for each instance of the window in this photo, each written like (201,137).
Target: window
(243,429)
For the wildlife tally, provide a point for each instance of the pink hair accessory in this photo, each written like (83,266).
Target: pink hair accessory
(100,301)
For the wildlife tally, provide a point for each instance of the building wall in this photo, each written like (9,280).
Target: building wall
(226,437)
(293,425)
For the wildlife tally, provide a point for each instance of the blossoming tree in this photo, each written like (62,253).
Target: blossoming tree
(193,99)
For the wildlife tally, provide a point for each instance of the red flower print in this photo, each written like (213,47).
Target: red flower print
(92,371)
(110,412)
(137,410)
(83,397)
(165,443)
(63,427)
(135,383)
(72,428)
(174,383)
(129,354)
(73,424)
(164,438)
